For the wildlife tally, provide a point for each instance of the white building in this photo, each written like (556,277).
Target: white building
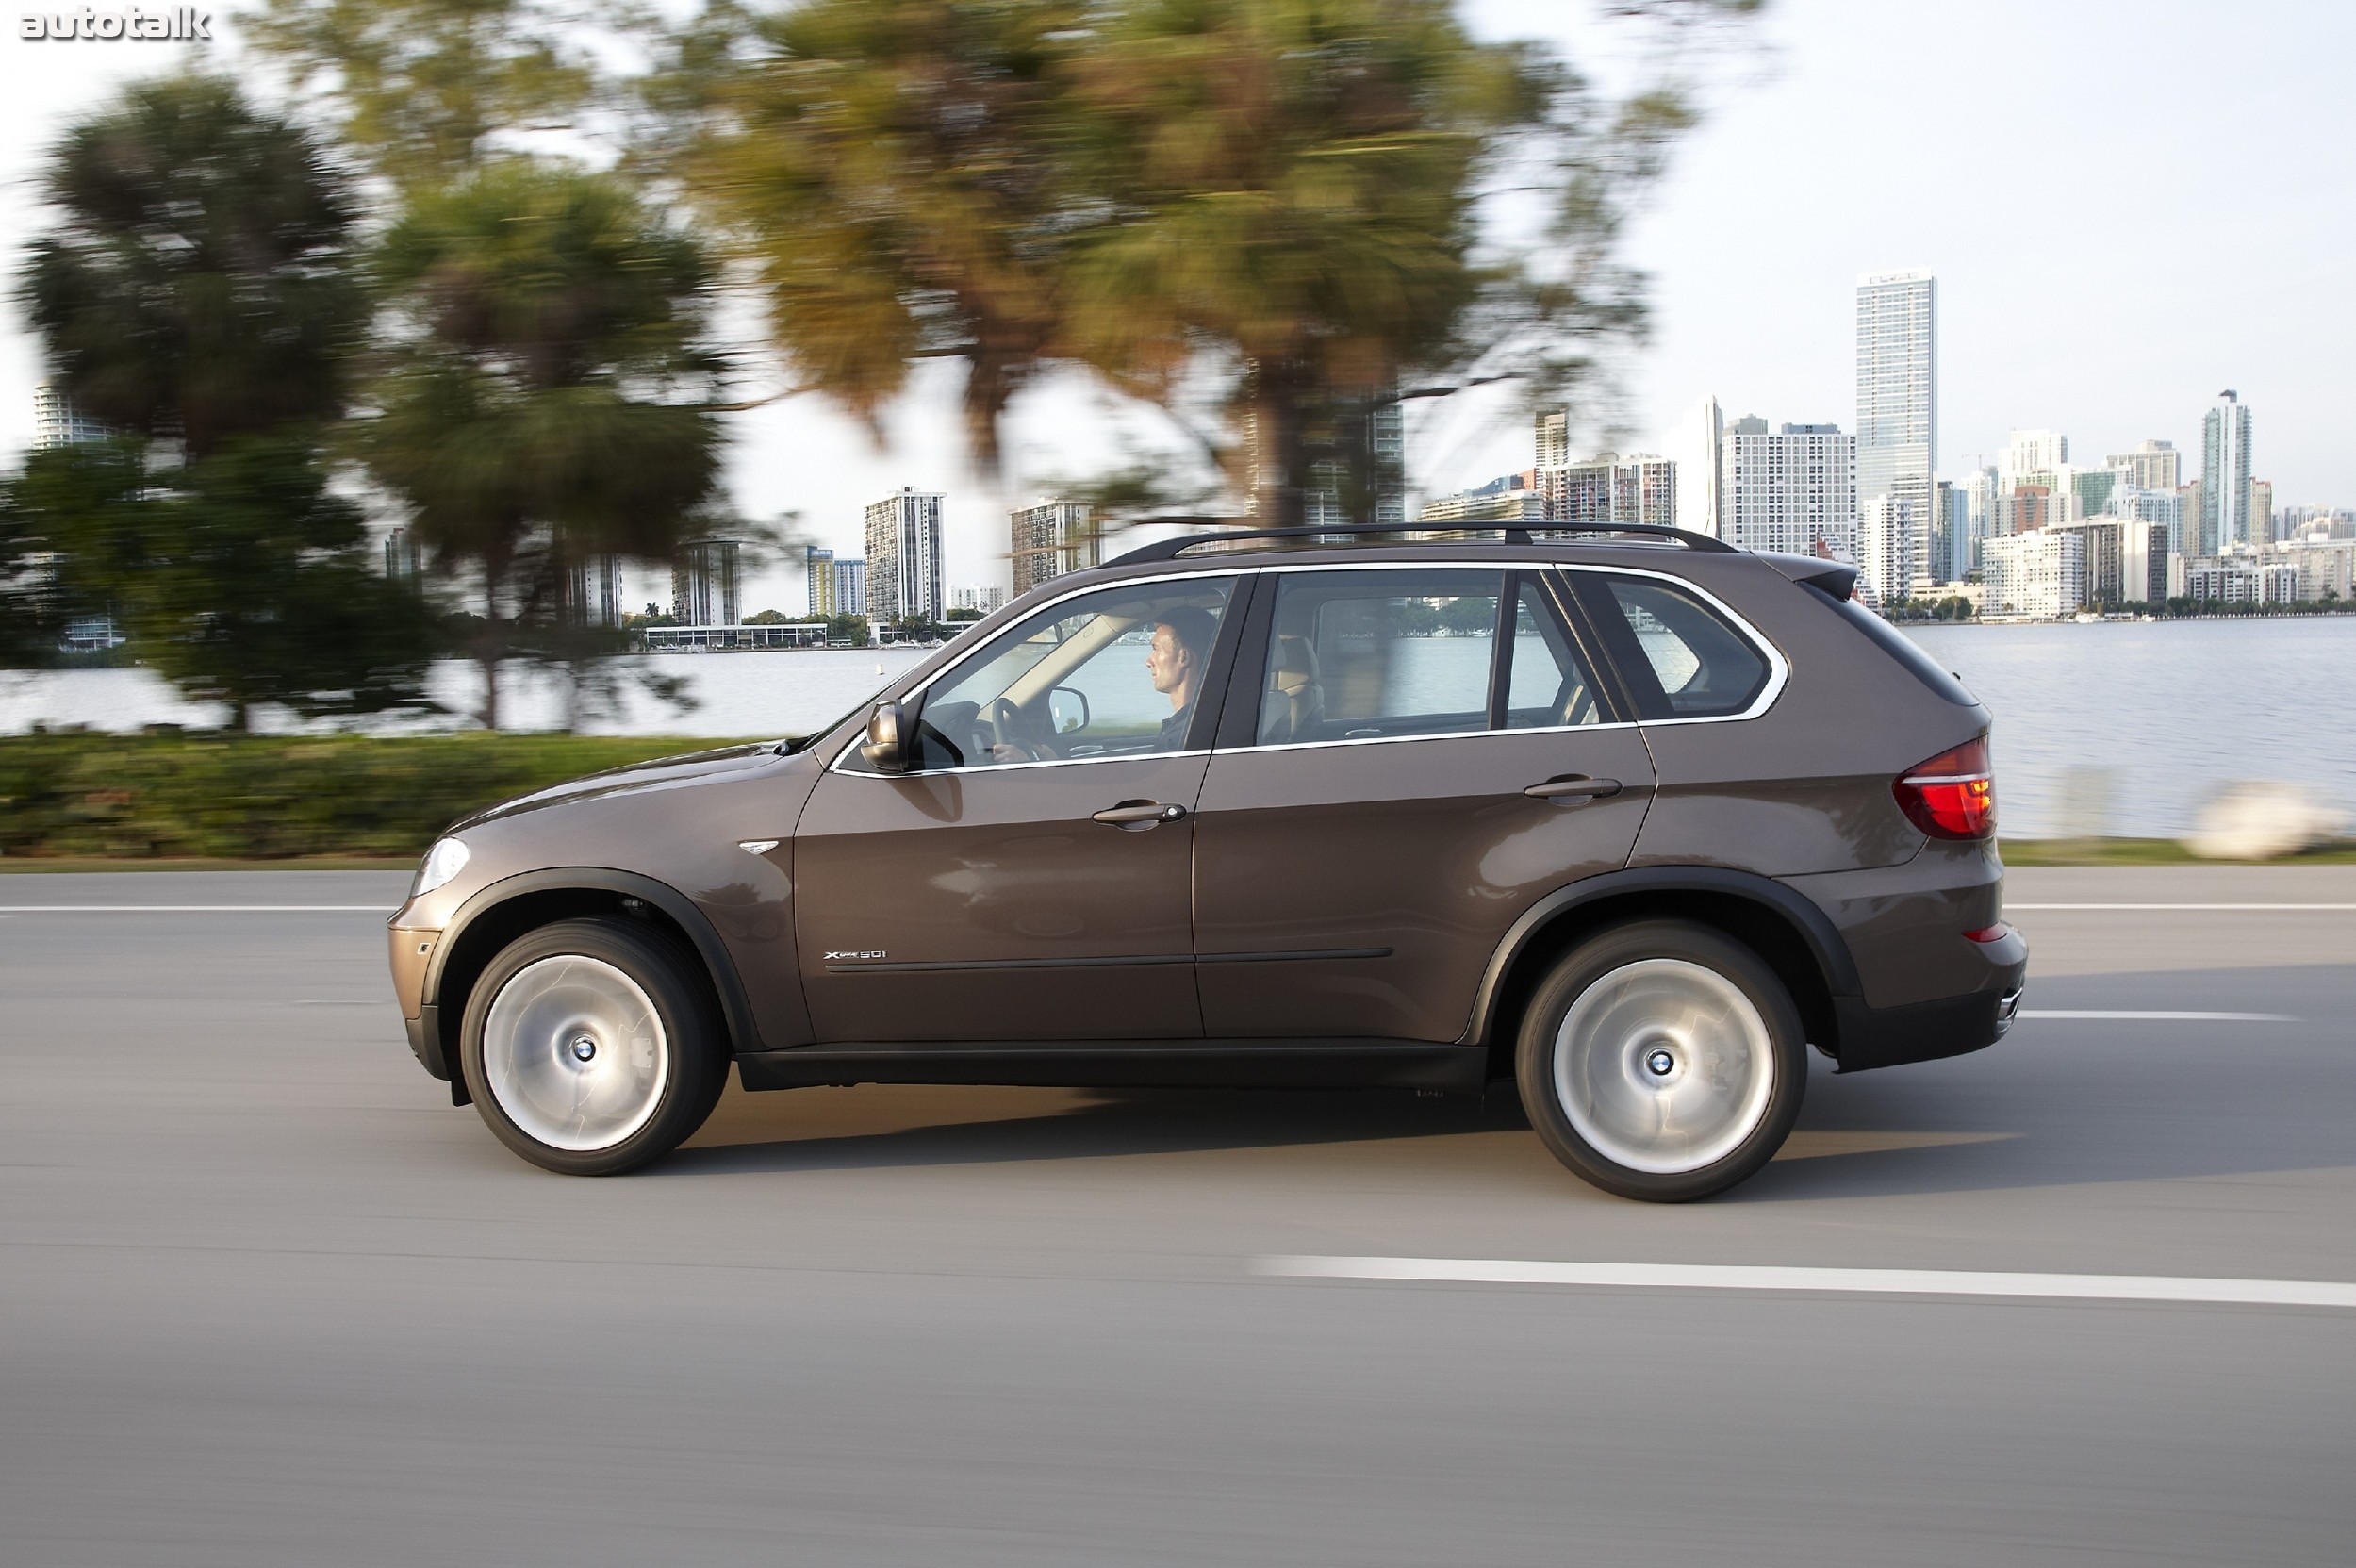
(2242,580)
(57,422)
(2153,466)
(1888,542)
(1699,502)
(1640,487)
(2225,520)
(2034,451)
(2143,557)
(977,597)
(2040,574)
(706,580)
(850,587)
(2327,568)
(904,558)
(595,593)
(1898,397)
(1508,498)
(1793,493)
(1049,538)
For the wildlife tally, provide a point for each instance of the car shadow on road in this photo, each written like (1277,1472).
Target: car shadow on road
(2055,1103)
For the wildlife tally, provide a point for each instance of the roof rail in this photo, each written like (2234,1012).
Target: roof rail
(1515,532)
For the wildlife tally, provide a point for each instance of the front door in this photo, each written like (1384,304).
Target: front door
(1031,878)
(1364,848)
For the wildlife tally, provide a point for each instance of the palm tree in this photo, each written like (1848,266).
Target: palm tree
(547,398)
(201,283)
(891,172)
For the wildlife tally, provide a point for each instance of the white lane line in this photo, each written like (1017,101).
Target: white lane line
(2010,907)
(195,909)
(2157,1017)
(1841,1281)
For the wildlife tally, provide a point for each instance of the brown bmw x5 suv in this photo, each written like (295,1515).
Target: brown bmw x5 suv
(1631,821)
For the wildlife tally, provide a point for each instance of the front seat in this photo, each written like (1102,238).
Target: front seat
(1299,705)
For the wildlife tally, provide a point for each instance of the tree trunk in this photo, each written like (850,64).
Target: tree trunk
(1274,451)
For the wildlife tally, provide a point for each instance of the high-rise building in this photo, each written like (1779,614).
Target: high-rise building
(593,590)
(2162,509)
(1640,487)
(2034,451)
(1049,538)
(1795,493)
(1553,438)
(817,580)
(57,422)
(977,597)
(904,558)
(2262,532)
(850,587)
(405,560)
(2029,508)
(1983,512)
(705,582)
(1700,503)
(2225,475)
(1950,533)
(2143,558)
(1508,498)
(1897,396)
(2153,466)
(1886,540)
(2041,573)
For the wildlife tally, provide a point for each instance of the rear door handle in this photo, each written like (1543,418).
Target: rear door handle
(1139,813)
(1576,786)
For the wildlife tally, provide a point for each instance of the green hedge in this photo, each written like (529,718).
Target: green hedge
(269,797)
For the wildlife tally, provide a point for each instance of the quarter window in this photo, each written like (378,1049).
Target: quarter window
(1683,659)
(1548,685)
(1119,673)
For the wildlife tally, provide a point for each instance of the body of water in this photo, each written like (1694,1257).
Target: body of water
(2115,727)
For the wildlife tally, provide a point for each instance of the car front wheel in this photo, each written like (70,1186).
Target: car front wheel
(592,1046)
(1662,1061)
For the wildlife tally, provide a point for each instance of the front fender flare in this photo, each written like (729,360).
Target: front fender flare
(735,1009)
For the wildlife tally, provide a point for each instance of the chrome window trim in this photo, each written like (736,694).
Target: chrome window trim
(842,756)
(1779,669)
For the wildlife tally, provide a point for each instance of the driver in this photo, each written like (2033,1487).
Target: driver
(1181,649)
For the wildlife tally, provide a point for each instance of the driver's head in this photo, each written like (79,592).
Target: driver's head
(1181,645)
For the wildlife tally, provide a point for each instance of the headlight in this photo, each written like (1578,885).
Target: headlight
(445,860)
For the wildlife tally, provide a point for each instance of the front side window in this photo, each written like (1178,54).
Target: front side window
(1362,656)
(1118,672)
(1682,658)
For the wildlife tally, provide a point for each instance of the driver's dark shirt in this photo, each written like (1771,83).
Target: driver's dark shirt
(1173,736)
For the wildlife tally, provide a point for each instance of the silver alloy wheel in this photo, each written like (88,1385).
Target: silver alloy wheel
(575,1052)
(1664,1066)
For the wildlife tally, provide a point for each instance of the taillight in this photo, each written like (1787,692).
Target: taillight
(1952,794)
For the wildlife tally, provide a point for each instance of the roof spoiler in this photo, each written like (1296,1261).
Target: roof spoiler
(1835,579)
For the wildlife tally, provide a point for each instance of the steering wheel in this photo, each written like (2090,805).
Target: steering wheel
(1002,724)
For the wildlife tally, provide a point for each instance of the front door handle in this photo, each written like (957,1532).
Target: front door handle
(1576,787)
(1137,816)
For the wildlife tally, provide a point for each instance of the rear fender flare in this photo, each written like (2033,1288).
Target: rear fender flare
(1823,939)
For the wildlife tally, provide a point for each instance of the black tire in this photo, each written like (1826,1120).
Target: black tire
(668,1077)
(1678,1024)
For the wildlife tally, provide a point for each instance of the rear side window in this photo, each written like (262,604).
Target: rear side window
(1366,655)
(1681,658)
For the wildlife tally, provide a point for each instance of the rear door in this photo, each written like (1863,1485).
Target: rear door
(1367,830)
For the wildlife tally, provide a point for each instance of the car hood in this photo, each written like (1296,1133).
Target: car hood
(661,773)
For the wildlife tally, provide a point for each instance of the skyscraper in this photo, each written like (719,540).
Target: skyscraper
(850,587)
(1898,395)
(57,422)
(1047,540)
(2030,453)
(2225,475)
(1640,488)
(2153,466)
(904,558)
(818,580)
(1795,492)
(704,584)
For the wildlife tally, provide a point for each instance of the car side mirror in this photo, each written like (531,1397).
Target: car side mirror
(886,746)
(1068,710)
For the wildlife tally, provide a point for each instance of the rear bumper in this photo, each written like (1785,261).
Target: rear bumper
(1927,1030)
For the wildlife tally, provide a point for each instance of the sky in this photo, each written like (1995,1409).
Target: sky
(2130,205)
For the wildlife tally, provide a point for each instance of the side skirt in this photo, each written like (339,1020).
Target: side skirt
(1129,1064)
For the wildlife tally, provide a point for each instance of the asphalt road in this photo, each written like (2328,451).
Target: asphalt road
(267,1298)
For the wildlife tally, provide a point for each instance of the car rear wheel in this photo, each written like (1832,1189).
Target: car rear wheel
(592,1046)
(1662,1061)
